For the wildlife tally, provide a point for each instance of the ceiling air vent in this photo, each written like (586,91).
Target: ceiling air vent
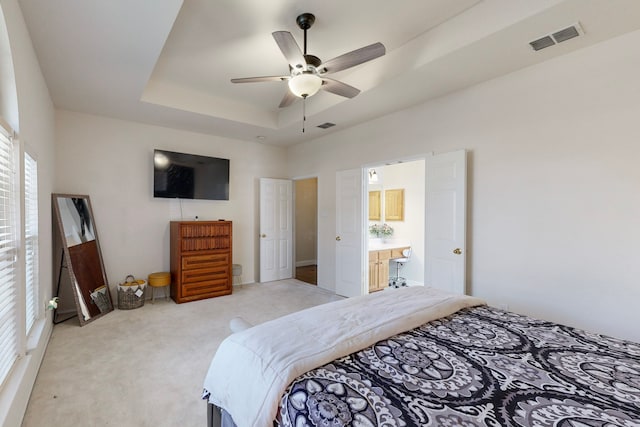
(542,43)
(326,125)
(565,34)
(557,37)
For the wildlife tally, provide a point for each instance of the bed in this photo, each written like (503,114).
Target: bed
(422,358)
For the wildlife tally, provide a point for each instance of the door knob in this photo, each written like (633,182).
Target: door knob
(457,251)
(338,238)
(263,235)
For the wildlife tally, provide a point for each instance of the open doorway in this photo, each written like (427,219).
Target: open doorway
(437,242)
(396,204)
(306,230)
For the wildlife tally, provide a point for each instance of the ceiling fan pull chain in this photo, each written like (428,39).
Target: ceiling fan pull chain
(304,112)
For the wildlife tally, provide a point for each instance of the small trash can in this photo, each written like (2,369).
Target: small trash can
(237,272)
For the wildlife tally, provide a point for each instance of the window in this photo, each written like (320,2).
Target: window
(31,238)
(8,254)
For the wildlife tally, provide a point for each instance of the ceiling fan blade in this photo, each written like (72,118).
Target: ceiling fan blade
(288,99)
(339,88)
(260,79)
(290,49)
(353,58)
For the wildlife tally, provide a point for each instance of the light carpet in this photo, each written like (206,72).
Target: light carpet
(145,367)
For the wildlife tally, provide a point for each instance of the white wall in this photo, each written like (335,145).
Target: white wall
(35,123)
(553,203)
(112,161)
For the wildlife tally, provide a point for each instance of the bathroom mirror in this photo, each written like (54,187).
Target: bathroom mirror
(80,256)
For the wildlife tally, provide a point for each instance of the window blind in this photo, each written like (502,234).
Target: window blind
(31,239)
(8,301)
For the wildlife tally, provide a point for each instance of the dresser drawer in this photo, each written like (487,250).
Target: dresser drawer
(205,274)
(397,252)
(205,243)
(384,254)
(205,229)
(219,286)
(190,262)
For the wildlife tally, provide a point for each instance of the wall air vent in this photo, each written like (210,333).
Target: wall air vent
(556,37)
(326,125)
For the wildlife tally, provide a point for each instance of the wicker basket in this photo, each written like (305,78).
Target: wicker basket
(131,293)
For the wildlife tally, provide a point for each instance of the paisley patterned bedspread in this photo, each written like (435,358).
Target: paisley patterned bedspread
(479,367)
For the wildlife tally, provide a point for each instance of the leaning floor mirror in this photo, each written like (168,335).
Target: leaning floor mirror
(80,269)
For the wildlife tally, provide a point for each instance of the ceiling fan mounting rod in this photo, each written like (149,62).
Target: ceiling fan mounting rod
(305,21)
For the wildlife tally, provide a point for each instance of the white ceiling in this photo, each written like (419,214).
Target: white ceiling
(169,62)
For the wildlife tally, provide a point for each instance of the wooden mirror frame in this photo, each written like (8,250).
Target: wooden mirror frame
(84,264)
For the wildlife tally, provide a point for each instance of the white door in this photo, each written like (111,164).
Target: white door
(276,229)
(446,182)
(349,233)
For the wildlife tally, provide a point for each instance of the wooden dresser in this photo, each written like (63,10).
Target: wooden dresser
(201,265)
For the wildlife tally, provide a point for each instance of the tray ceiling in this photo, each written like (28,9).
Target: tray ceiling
(170,62)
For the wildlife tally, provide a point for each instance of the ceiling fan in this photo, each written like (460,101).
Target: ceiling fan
(307,73)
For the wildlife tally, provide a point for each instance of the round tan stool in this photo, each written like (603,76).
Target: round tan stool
(159,280)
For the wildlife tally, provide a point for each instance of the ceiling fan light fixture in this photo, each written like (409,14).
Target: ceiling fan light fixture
(307,72)
(305,84)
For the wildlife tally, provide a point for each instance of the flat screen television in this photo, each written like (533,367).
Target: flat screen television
(189,176)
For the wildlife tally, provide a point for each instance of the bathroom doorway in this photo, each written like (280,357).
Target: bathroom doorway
(404,224)
(306,230)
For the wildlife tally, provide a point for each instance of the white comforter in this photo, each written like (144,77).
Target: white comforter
(252,369)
